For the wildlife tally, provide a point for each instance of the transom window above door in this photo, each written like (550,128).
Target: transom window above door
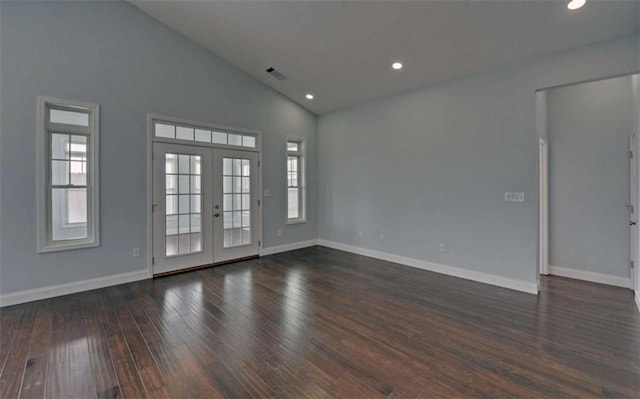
(203,134)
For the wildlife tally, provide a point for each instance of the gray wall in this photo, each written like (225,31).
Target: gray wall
(431,166)
(112,54)
(589,127)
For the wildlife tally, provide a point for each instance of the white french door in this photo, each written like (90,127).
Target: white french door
(236,221)
(205,206)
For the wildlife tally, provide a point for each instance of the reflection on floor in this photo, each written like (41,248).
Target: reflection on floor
(323,323)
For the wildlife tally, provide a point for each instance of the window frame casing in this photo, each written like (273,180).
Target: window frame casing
(302,179)
(44,131)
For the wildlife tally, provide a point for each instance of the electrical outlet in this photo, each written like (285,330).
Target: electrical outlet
(513,197)
(266,192)
(279,232)
(136,252)
(442,247)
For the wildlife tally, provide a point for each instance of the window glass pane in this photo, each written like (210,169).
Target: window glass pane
(246,201)
(68,213)
(163,130)
(292,211)
(78,148)
(60,146)
(78,173)
(184,133)
(227,204)
(69,117)
(248,141)
(237,184)
(203,135)
(227,184)
(237,202)
(235,139)
(293,146)
(59,172)
(219,138)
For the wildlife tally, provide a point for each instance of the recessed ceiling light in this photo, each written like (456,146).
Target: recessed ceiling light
(398,65)
(309,96)
(575,4)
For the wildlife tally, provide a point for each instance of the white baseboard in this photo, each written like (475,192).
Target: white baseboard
(492,279)
(638,300)
(288,247)
(51,291)
(593,277)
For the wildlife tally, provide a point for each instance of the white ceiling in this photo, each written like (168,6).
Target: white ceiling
(341,51)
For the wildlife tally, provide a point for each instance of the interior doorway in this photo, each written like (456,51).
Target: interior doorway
(205,203)
(588,181)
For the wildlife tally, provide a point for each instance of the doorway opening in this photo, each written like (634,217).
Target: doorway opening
(588,186)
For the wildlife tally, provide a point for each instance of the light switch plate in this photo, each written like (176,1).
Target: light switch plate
(266,192)
(513,197)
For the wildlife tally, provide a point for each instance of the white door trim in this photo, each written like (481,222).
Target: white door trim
(151,139)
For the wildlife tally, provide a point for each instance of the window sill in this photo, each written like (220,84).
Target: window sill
(296,221)
(54,247)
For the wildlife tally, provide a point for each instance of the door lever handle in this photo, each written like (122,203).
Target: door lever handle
(632,223)
(216,214)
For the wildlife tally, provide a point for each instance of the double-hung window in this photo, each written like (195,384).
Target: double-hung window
(296,192)
(67,175)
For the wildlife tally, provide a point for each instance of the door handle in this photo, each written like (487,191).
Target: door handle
(216,214)
(632,223)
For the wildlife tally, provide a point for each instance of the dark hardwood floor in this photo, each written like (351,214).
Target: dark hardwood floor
(320,323)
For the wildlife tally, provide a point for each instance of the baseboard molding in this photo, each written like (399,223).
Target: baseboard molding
(638,300)
(593,277)
(288,247)
(486,278)
(15,298)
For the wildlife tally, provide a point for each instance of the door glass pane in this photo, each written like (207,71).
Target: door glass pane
(203,135)
(219,138)
(292,211)
(236,202)
(183,220)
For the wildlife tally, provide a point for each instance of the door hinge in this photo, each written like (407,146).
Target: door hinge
(258,163)
(259,243)
(153,156)
(258,202)
(632,265)
(153,260)
(631,154)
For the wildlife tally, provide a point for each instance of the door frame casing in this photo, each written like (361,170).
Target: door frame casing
(149,177)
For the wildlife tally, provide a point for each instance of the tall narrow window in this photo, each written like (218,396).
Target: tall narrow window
(296,181)
(67,175)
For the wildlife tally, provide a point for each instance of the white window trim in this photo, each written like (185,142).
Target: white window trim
(302,153)
(43,194)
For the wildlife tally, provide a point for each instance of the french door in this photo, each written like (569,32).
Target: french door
(236,219)
(204,206)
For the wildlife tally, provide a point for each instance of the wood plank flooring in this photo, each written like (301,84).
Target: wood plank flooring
(319,323)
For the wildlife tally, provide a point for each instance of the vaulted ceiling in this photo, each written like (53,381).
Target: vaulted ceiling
(342,51)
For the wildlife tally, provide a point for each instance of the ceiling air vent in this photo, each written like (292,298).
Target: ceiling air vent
(273,72)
